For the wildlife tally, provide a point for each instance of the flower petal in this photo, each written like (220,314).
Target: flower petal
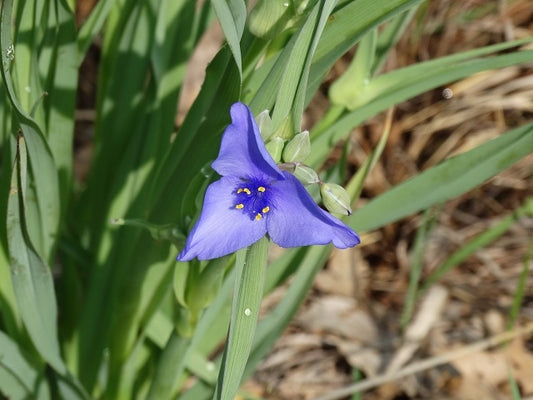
(221,229)
(297,220)
(242,151)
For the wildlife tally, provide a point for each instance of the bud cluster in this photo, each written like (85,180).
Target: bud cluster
(291,155)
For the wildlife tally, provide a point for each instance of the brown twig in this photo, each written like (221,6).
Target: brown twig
(429,363)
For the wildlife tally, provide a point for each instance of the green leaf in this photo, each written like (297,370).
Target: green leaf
(43,206)
(521,288)
(32,279)
(232,16)
(269,18)
(390,35)
(290,99)
(60,66)
(250,277)
(169,368)
(18,378)
(91,27)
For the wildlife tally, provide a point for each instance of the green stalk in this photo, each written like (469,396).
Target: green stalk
(169,368)
(250,271)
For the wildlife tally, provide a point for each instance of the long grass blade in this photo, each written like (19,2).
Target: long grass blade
(232,17)
(250,277)
(445,181)
(32,279)
(18,378)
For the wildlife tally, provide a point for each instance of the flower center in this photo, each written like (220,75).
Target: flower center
(252,198)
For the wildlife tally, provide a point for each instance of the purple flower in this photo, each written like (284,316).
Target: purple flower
(254,197)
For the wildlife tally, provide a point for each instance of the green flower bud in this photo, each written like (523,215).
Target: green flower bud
(305,174)
(195,289)
(275,148)
(264,122)
(335,198)
(354,86)
(298,149)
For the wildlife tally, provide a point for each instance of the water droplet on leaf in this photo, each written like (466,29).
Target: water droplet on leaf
(447,93)
(10,52)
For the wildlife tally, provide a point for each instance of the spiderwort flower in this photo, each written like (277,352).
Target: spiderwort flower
(254,197)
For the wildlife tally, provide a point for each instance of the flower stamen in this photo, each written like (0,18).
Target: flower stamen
(253,199)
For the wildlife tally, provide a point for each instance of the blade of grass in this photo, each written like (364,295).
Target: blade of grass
(232,17)
(355,186)
(390,35)
(44,206)
(477,243)
(250,277)
(18,378)
(291,95)
(91,27)
(61,85)
(130,30)
(415,271)
(170,365)
(515,390)
(32,279)
(518,297)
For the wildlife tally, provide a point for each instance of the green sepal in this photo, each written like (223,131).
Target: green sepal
(264,123)
(275,148)
(305,174)
(335,198)
(298,149)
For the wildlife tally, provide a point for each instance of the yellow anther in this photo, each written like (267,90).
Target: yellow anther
(261,189)
(239,206)
(245,190)
(258,216)
(266,209)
